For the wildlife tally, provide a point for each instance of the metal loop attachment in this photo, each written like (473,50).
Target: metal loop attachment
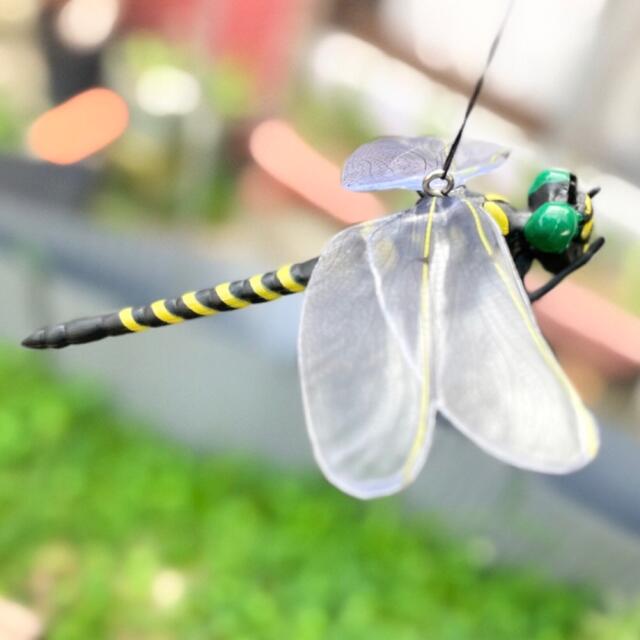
(437,175)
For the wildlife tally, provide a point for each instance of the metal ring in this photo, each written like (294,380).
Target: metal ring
(438,174)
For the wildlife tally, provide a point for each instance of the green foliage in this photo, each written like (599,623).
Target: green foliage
(228,88)
(178,167)
(625,625)
(111,533)
(332,123)
(11,125)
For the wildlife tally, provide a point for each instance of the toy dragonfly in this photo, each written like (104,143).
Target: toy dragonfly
(419,316)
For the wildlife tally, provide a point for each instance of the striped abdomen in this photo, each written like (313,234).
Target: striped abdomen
(195,304)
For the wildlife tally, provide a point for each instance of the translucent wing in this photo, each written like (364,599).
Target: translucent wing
(364,356)
(402,163)
(497,378)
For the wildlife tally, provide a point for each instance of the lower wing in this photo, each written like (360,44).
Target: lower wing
(364,355)
(497,379)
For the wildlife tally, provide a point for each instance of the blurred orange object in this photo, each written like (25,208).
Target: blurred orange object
(79,127)
(280,151)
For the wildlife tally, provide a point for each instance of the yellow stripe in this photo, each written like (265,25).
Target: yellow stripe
(228,298)
(285,277)
(483,237)
(496,196)
(588,205)
(421,431)
(586,230)
(126,317)
(541,345)
(196,306)
(161,312)
(260,290)
(498,214)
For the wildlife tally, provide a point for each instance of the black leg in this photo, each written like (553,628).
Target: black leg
(574,266)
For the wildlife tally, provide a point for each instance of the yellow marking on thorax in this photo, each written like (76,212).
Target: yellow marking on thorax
(228,298)
(421,431)
(196,306)
(499,215)
(588,205)
(586,230)
(126,317)
(260,290)
(496,197)
(161,312)
(284,275)
(543,349)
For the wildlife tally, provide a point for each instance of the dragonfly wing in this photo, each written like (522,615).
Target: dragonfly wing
(475,158)
(364,356)
(393,162)
(497,379)
(397,162)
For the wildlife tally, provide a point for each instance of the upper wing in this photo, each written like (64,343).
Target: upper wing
(497,378)
(364,355)
(397,162)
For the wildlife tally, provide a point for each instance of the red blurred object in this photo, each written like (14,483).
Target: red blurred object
(582,322)
(280,151)
(257,34)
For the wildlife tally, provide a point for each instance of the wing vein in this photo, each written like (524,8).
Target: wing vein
(592,444)
(421,430)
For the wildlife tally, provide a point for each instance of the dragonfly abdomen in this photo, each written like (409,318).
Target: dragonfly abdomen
(227,296)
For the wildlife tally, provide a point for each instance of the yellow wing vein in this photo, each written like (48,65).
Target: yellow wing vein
(592,444)
(421,431)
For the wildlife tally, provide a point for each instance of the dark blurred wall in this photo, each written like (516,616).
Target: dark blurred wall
(69,71)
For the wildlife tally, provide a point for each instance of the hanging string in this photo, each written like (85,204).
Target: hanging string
(476,92)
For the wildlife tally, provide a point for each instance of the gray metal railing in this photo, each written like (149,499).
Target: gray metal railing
(221,385)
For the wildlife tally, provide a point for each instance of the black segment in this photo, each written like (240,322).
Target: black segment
(56,336)
(36,340)
(209,298)
(573,190)
(594,192)
(270,281)
(76,332)
(549,192)
(146,317)
(301,272)
(242,289)
(84,330)
(113,325)
(180,309)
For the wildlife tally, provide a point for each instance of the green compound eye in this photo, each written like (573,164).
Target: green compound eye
(552,227)
(549,176)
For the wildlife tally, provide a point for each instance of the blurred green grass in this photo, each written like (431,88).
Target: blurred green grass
(109,532)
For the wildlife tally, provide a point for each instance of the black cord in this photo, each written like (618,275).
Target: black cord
(476,93)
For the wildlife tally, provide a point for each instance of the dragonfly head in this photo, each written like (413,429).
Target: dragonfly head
(561,213)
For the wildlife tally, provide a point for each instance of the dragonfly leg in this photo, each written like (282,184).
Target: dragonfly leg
(560,276)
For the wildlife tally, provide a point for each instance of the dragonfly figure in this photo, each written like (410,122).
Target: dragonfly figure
(419,317)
